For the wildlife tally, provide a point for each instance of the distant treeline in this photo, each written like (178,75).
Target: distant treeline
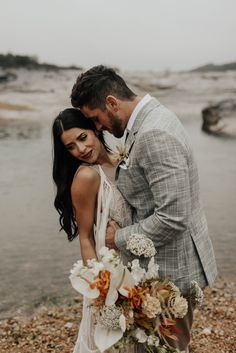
(29,62)
(213,67)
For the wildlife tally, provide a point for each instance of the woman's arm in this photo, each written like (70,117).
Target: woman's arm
(84,191)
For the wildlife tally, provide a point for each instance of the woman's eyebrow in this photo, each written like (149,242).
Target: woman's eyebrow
(77,136)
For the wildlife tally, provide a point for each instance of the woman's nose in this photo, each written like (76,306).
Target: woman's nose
(80,148)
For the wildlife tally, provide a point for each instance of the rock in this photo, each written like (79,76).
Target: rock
(6,76)
(77,299)
(68,325)
(206,331)
(220,119)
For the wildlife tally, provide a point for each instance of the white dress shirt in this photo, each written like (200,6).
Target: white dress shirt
(136,110)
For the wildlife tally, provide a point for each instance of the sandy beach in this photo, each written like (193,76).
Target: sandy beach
(35,257)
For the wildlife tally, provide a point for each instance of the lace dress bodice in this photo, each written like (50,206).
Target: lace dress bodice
(110,205)
(119,209)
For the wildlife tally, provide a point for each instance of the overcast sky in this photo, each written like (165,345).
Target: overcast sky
(129,34)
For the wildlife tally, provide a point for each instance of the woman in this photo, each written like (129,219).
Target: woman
(85,197)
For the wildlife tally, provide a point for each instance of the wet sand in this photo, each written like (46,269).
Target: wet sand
(35,257)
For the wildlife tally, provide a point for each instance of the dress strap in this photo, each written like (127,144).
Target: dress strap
(103,206)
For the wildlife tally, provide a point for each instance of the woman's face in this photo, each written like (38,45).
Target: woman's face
(82,144)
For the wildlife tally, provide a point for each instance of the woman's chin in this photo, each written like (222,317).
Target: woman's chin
(92,161)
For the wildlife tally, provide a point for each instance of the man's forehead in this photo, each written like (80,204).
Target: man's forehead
(89,113)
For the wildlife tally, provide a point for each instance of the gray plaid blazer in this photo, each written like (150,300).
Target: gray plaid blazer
(161,184)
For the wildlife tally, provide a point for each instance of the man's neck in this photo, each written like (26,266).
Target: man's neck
(129,108)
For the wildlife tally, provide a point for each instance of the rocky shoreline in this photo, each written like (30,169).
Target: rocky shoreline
(54,328)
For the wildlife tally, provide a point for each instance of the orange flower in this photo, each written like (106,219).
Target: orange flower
(102,283)
(136,296)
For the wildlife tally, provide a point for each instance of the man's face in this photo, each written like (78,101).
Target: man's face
(105,120)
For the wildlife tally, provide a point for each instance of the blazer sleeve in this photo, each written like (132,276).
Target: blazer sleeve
(164,161)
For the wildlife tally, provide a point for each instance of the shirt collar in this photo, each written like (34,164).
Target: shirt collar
(136,110)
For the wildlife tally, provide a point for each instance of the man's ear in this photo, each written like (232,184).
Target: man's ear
(112,103)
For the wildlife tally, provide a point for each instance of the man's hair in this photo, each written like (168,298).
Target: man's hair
(93,86)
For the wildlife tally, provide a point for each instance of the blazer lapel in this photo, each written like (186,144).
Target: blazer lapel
(129,143)
(143,113)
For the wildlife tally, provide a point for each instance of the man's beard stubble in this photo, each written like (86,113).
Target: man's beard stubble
(116,125)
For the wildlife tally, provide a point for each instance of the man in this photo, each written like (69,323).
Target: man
(159,180)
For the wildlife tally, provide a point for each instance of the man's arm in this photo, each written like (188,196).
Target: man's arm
(164,162)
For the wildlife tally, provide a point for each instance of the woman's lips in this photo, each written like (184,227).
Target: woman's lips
(87,155)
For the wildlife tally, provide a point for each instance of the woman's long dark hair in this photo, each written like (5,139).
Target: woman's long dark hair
(65,166)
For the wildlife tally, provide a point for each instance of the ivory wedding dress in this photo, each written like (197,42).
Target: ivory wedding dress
(110,205)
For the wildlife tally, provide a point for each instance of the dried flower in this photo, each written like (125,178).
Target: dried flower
(81,277)
(140,335)
(120,153)
(196,294)
(95,266)
(129,316)
(152,272)
(110,258)
(137,272)
(77,268)
(136,296)
(174,287)
(157,342)
(177,305)
(102,283)
(131,303)
(153,341)
(151,306)
(139,245)
(110,317)
(162,350)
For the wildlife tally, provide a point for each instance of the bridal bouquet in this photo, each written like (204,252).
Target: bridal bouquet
(130,304)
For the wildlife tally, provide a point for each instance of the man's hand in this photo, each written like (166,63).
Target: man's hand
(112,227)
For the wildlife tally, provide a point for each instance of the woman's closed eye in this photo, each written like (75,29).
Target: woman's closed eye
(82,137)
(70,147)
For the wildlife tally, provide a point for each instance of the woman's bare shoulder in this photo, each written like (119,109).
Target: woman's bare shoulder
(86,179)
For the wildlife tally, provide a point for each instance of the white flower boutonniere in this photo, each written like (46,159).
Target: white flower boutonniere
(122,156)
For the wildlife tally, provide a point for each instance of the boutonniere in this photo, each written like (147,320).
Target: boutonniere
(121,155)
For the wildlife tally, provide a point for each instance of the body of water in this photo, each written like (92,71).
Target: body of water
(35,256)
